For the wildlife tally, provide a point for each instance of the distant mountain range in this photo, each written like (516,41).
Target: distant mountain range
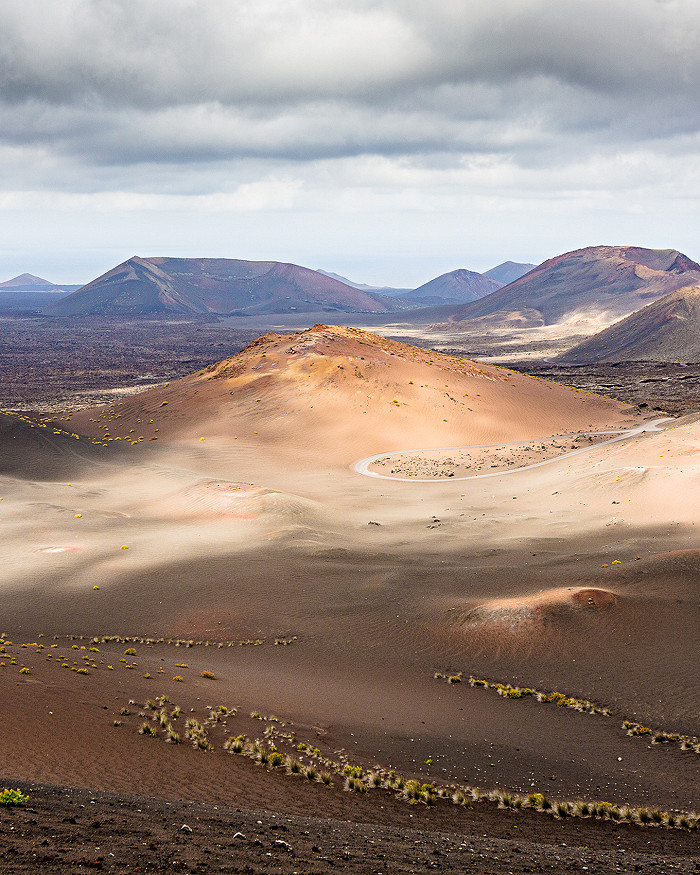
(220,286)
(390,291)
(27,282)
(457,286)
(599,282)
(509,272)
(226,286)
(653,293)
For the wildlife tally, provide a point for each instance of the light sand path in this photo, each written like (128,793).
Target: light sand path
(362,466)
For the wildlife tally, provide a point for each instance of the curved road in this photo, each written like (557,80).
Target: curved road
(362,466)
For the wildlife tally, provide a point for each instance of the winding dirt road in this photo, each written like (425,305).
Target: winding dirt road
(362,466)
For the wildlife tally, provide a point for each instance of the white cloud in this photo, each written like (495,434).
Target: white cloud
(370,117)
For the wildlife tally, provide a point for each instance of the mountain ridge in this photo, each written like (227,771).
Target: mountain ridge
(509,271)
(456,286)
(28,282)
(219,286)
(598,281)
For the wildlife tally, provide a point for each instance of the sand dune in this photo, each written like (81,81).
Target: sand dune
(212,499)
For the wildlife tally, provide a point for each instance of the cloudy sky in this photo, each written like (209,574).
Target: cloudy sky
(387,140)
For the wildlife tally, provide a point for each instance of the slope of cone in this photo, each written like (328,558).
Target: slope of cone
(666,330)
(336,394)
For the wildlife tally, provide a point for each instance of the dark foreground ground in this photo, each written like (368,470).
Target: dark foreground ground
(71,830)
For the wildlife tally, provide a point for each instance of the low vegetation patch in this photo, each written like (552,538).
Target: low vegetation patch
(561,700)
(11,798)
(656,736)
(508,691)
(281,751)
(660,736)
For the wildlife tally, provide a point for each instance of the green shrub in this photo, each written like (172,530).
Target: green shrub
(563,809)
(11,797)
(235,744)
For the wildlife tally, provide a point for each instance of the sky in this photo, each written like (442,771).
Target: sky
(386,140)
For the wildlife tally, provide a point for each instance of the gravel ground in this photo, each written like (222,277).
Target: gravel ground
(70,830)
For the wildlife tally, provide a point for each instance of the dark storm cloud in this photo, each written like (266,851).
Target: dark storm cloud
(124,82)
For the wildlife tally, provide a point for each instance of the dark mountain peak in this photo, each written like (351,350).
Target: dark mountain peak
(597,281)
(682,263)
(27,282)
(457,286)
(223,286)
(509,271)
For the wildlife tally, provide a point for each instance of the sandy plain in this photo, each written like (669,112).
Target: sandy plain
(222,509)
